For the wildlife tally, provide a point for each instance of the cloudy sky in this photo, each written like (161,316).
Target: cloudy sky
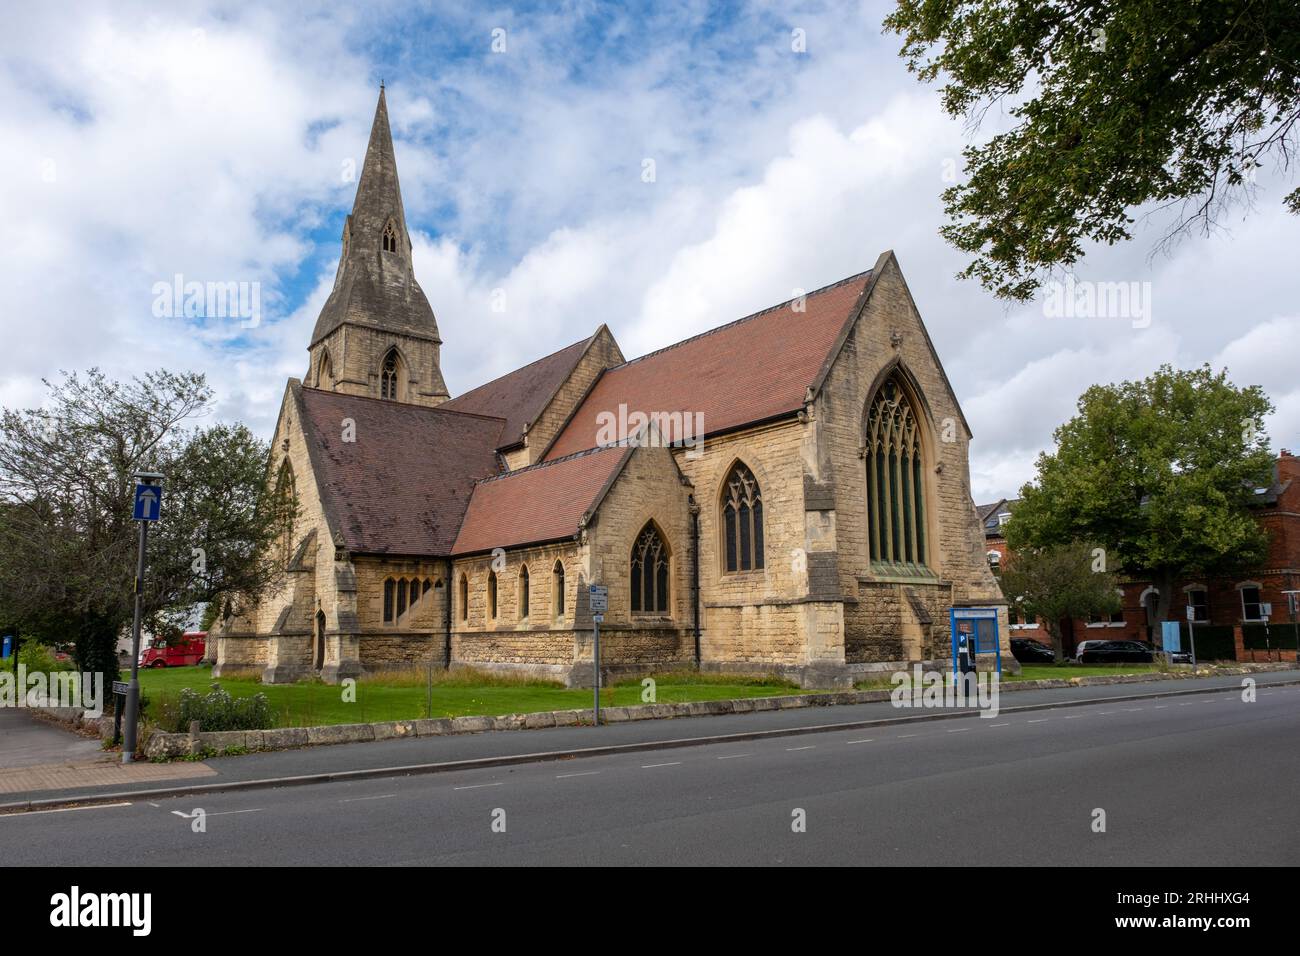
(217,142)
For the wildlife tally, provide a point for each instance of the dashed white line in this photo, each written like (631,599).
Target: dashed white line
(1040,720)
(809,747)
(905,736)
(479,785)
(959,730)
(1000,725)
(651,766)
(734,756)
(382,796)
(867,741)
(1075,716)
(585,773)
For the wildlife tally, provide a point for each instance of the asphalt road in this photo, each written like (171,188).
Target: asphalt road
(1204,780)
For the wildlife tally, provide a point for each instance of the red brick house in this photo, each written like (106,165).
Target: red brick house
(1222,604)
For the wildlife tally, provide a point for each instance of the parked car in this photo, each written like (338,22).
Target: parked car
(1028,651)
(1115,652)
(184,651)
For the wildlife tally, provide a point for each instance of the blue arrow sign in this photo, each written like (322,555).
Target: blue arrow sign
(148,502)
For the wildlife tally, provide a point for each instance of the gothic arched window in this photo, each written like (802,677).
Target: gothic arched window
(557,589)
(523,593)
(742,521)
(390,238)
(464,598)
(325,371)
(388,375)
(492,594)
(284,503)
(895,481)
(390,587)
(649,572)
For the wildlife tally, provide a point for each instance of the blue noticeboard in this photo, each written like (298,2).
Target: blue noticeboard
(6,646)
(979,626)
(1171,636)
(148,502)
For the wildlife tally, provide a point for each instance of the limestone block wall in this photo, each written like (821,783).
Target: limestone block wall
(417,635)
(356,355)
(543,635)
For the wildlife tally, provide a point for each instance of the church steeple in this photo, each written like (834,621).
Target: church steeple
(376,297)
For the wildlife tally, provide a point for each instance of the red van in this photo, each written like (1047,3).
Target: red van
(184,651)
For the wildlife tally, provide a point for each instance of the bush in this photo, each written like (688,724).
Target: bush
(38,658)
(217,710)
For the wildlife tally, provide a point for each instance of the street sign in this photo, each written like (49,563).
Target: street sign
(148,502)
(599,598)
(120,686)
(1266,610)
(1191,612)
(598,618)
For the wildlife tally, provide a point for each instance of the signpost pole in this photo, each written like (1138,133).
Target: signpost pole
(133,688)
(595,660)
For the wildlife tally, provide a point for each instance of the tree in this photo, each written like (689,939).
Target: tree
(67,538)
(1160,473)
(1117,104)
(1059,581)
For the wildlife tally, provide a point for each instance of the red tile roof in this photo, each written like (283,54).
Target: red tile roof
(754,368)
(543,502)
(520,396)
(403,485)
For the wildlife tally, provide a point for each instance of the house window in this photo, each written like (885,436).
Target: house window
(742,521)
(895,482)
(524,603)
(557,589)
(388,375)
(492,595)
(390,587)
(1199,601)
(649,573)
(464,598)
(1251,609)
(390,238)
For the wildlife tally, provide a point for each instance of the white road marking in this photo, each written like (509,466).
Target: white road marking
(478,786)
(809,747)
(1040,720)
(585,773)
(999,725)
(1074,716)
(905,736)
(1133,710)
(222,813)
(959,730)
(734,756)
(382,796)
(867,741)
(651,766)
(33,813)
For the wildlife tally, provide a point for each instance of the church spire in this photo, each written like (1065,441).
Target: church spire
(375,285)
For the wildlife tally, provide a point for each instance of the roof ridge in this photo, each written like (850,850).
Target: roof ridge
(394,404)
(746,318)
(538,465)
(513,371)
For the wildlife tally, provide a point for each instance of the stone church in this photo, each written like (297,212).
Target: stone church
(787,493)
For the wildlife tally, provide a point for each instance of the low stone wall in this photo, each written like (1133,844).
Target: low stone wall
(161,745)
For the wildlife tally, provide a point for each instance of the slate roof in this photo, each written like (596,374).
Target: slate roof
(750,370)
(522,395)
(544,502)
(403,485)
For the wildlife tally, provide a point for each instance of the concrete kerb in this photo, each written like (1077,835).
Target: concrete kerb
(575,753)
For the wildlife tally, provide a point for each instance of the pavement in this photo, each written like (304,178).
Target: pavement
(27,741)
(1201,779)
(392,756)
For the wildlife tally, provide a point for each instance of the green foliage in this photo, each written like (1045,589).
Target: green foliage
(218,710)
(1058,581)
(1116,104)
(1161,473)
(38,658)
(67,538)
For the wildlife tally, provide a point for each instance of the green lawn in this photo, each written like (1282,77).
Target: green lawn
(312,703)
(1066,671)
